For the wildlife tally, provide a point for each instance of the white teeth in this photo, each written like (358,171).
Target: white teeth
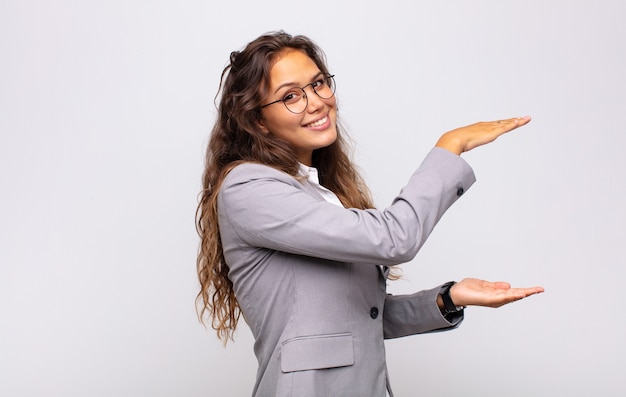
(319,122)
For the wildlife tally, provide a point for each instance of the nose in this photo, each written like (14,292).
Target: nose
(314,101)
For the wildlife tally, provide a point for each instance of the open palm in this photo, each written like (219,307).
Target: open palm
(475,292)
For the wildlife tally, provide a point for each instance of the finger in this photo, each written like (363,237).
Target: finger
(534,290)
(523,120)
(510,296)
(527,291)
(515,122)
(500,127)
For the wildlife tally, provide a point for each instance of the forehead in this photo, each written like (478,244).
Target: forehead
(292,66)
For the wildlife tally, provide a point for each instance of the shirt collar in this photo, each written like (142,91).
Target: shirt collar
(308,172)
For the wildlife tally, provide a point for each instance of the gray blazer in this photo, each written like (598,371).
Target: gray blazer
(306,275)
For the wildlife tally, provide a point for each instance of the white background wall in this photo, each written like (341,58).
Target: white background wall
(105,110)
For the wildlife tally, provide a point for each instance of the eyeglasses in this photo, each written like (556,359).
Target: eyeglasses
(296,101)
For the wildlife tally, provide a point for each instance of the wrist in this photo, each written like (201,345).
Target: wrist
(444,299)
(448,142)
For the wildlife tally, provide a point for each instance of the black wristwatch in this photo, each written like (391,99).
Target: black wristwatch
(448,304)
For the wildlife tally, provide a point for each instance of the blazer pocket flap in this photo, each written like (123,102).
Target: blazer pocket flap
(317,352)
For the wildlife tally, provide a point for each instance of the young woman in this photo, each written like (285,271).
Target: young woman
(291,239)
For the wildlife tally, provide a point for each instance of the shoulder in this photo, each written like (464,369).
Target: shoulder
(250,189)
(246,178)
(247,172)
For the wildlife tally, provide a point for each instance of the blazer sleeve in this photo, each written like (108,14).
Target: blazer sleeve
(269,208)
(417,313)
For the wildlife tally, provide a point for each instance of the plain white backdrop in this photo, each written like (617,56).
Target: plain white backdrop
(105,111)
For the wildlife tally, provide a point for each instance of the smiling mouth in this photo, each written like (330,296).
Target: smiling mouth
(319,122)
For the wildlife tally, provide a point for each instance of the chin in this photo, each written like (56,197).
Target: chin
(331,139)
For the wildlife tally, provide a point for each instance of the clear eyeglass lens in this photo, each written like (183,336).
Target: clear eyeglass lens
(297,106)
(298,101)
(326,88)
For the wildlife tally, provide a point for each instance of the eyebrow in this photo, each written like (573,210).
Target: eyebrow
(296,85)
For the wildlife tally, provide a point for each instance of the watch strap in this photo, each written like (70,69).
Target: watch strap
(448,304)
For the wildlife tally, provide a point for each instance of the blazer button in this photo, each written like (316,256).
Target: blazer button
(460,191)
(374,312)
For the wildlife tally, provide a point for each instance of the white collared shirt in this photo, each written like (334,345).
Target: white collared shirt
(312,176)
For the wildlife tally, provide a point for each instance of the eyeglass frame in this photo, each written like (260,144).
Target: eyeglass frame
(332,87)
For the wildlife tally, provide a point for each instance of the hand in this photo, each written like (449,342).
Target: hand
(467,138)
(474,292)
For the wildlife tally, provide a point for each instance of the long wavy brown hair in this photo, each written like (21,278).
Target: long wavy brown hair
(236,138)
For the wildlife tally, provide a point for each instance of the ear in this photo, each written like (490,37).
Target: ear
(261,124)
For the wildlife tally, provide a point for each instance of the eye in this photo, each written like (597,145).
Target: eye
(319,83)
(292,97)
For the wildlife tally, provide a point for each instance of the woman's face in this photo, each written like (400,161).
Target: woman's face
(312,129)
